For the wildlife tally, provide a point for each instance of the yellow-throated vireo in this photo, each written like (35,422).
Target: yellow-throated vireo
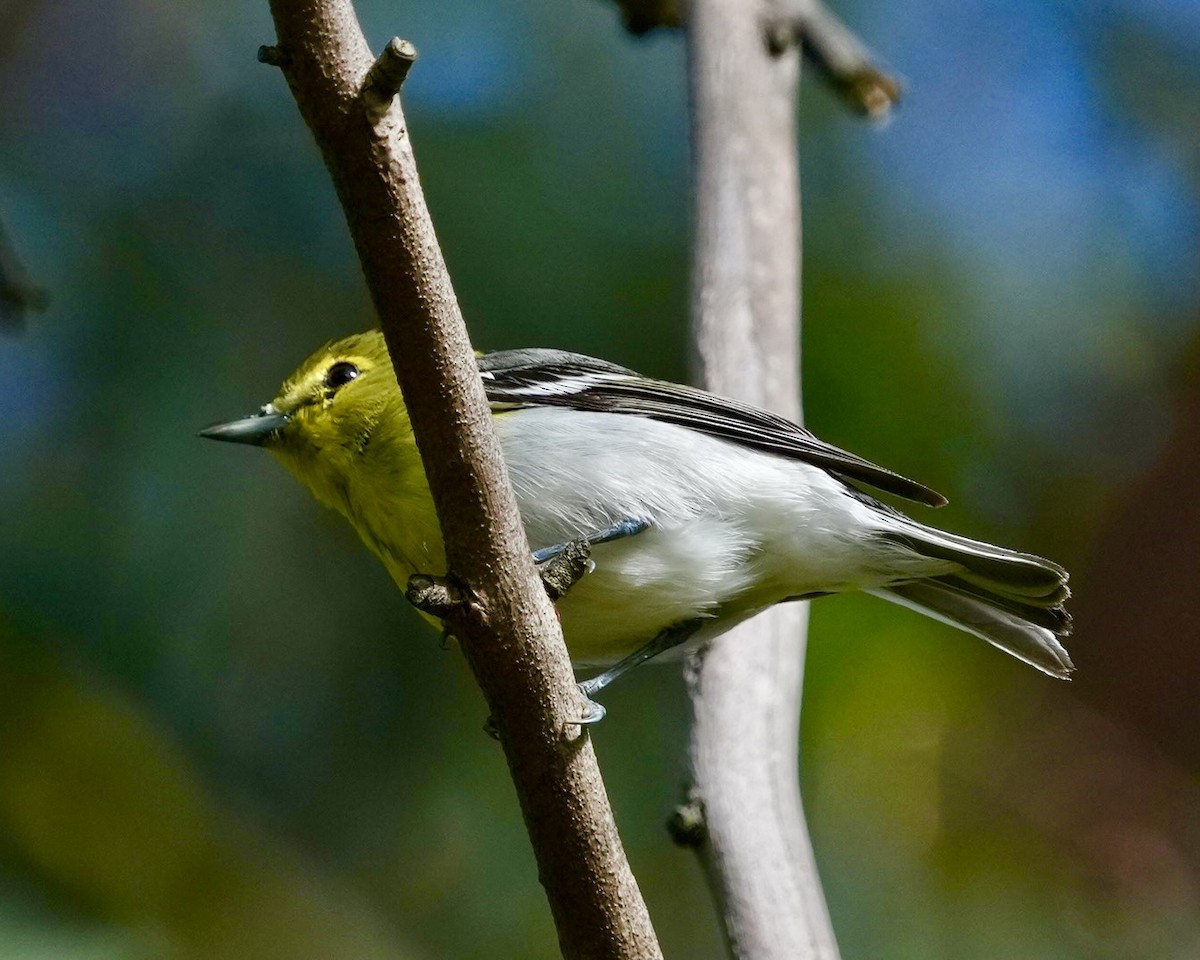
(700,510)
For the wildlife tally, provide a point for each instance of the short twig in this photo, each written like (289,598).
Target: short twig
(272,56)
(387,75)
(19,296)
(841,58)
(437,596)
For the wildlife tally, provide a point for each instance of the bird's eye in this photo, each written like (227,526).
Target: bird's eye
(340,374)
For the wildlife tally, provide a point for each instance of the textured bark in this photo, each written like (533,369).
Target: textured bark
(507,627)
(744,806)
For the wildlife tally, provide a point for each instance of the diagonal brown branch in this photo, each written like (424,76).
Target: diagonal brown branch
(507,626)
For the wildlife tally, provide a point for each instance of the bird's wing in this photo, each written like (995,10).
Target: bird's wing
(556,378)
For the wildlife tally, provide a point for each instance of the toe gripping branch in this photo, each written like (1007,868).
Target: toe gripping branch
(565,564)
(565,568)
(671,637)
(560,567)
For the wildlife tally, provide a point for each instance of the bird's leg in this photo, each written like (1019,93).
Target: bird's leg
(623,528)
(565,564)
(671,637)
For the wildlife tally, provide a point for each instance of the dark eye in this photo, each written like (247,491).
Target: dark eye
(340,374)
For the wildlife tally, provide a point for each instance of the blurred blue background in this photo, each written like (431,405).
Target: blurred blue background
(222,734)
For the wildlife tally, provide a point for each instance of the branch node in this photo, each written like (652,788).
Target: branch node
(273,56)
(387,75)
(687,825)
(838,55)
(562,571)
(782,34)
(437,596)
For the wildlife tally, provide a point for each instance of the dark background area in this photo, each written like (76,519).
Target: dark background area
(222,734)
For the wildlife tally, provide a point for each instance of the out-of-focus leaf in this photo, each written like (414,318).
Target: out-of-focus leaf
(99,801)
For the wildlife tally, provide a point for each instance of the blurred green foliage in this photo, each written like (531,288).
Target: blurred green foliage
(202,756)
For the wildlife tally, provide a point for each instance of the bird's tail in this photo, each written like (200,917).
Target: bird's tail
(1012,600)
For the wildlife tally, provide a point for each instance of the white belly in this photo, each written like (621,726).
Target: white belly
(732,529)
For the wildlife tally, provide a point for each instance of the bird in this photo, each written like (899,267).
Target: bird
(698,510)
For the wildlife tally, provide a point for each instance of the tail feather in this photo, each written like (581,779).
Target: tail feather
(1012,633)
(1014,574)
(1053,617)
(1012,600)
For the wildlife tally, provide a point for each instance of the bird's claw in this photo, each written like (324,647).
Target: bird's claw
(593,712)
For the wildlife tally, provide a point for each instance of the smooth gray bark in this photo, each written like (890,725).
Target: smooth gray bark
(744,803)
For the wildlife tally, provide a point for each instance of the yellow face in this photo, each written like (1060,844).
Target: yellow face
(340,427)
(339,403)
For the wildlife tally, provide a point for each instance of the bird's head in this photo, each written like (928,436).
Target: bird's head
(327,415)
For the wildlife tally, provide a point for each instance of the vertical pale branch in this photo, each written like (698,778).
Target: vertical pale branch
(743,812)
(745,689)
(494,599)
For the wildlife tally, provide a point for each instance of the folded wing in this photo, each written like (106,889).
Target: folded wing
(524,378)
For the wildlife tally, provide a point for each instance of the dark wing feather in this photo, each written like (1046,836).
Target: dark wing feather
(523,378)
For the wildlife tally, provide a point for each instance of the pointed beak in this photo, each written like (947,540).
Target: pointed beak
(255,429)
